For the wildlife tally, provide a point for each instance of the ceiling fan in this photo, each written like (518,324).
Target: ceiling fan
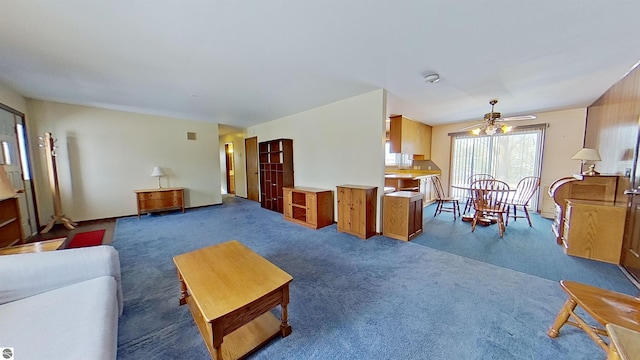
(493,121)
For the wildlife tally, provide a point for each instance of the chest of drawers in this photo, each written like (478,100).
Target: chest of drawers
(163,199)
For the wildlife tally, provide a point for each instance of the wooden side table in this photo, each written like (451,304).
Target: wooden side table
(402,214)
(162,199)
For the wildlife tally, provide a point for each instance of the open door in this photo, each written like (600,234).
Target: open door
(251,158)
(630,257)
(14,157)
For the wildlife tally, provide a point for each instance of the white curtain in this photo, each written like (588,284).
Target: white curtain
(507,157)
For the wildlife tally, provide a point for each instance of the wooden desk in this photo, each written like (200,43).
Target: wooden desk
(162,199)
(230,291)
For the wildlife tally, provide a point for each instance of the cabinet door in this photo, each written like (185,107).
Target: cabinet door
(287,202)
(344,209)
(312,209)
(358,211)
(415,217)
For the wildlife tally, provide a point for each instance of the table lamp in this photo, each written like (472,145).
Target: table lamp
(585,155)
(157,172)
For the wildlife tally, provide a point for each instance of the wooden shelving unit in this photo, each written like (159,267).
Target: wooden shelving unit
(10,223)
(276,172)
(307,206)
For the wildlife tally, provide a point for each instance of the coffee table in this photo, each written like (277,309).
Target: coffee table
(40,246)
(230,291)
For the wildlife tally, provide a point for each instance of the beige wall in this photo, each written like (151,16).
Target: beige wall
(563,138)
(12,99)
(239,162)
(103,155)
(339,143)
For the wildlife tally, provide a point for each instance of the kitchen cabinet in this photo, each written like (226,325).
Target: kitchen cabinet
(357,210)
(594,229)
(409,137)
(402,214)
(307,206)
(276,172)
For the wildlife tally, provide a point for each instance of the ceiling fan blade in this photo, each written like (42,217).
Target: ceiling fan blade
(478,125)
(517,118)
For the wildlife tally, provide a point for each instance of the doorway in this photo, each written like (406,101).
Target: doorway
(14,159)
(251,158)
(231,181)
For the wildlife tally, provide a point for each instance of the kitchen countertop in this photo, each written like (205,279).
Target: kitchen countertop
(416,174)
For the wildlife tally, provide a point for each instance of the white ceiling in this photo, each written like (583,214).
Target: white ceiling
(246,62)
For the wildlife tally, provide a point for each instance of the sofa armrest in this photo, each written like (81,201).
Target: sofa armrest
(24,275)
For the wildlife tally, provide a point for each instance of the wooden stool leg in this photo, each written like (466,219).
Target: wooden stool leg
(562,317)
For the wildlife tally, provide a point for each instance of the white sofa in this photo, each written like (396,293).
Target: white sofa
(61,304)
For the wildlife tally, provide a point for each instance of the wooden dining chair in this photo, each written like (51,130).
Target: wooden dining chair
(469,204)
(604,306)
(443,202)
(525,189)
(490,199)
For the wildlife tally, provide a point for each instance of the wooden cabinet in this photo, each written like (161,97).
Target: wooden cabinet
(163,199)
(402,214)
(594,229)
(276,172)
(10,224)
(581,187)
(426,188)
(357,205)
(307,206)
(409,137)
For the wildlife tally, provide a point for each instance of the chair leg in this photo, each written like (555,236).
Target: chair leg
(437,207)
(501,226)
(526,212)
(475,220)
(562,317)
(508,211)
(457,207)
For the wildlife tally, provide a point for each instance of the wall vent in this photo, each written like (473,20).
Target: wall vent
(191,135)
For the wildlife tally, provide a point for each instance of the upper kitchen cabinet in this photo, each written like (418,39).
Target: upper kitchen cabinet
(409,137)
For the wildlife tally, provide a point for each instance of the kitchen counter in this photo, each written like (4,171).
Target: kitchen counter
(411,180)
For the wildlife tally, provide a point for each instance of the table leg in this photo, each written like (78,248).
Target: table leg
(216,332)
(183,290)
(562,317)
(285,328)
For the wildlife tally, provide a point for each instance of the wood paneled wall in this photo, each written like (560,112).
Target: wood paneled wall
(612,124)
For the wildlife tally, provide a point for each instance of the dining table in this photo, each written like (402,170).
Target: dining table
(468,217)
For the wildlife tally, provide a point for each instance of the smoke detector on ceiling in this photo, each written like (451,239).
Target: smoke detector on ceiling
(432,78)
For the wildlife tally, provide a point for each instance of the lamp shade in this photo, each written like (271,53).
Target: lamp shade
(587,154)
(157,171)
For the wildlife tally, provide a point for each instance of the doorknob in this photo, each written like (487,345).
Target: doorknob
(632,192)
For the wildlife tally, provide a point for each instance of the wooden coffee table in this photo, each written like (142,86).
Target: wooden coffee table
(40,246)
(230,291)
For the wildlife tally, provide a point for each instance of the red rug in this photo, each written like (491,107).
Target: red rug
(88,238)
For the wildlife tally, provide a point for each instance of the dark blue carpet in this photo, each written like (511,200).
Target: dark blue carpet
(532,250)
(350,299)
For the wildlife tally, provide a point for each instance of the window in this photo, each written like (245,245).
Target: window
(392,159)
(507,157)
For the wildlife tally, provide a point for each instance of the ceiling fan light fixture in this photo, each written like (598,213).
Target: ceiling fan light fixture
(432,78)
(506,128)
(476,131)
